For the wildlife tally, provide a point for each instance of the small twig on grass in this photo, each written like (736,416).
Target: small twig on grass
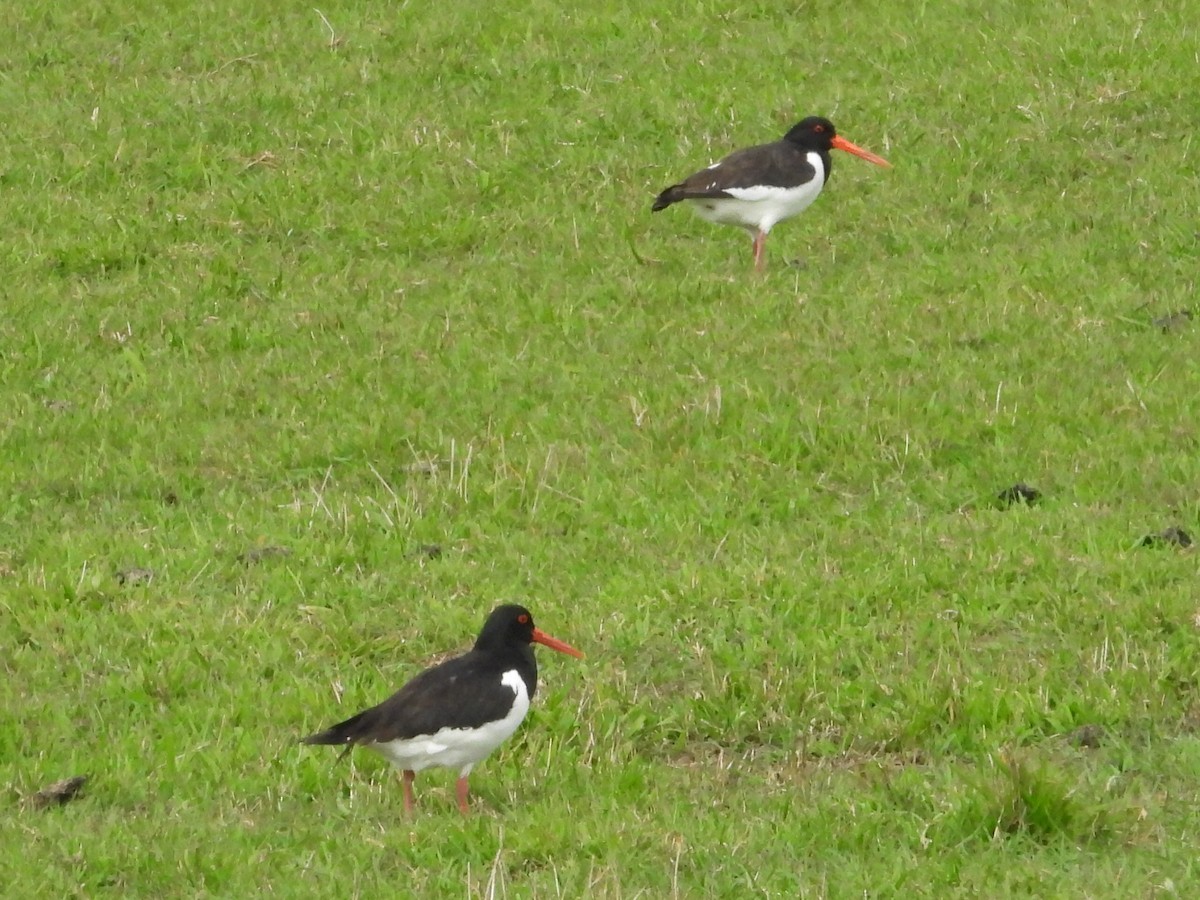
(196,577)
(642,260)
(228,63)
(319,496)
(334,40)
(720,545)
(387,487)
(675,868)
(496,875)
(265,158)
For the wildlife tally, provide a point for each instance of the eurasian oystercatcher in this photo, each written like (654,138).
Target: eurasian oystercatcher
(757,187)
(459,711)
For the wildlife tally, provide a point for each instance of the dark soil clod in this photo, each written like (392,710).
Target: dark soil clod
(135,575)
(1168,537)
(1173,321)
(429,551)
(1019,493)
(259,554)
(1087,736)
(58,793)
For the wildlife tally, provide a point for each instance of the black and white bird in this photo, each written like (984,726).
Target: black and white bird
(455,713)
(758,187)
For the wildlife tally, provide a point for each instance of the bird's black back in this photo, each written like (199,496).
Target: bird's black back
(464,692)
(783,163)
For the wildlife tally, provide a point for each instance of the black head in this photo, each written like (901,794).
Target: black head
(813,133)
(512,626)
(508,624)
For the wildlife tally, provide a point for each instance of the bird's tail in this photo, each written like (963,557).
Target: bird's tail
(348,732)
(673,194)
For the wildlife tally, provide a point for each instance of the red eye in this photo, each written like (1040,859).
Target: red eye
(818,128)
(523,619)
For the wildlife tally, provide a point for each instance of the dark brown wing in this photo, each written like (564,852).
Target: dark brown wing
(780,164)
(464,692)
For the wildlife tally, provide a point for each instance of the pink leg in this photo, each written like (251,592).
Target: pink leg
(406,778)
(760,242)
(460,787)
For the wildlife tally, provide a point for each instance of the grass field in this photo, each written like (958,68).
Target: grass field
(292,299)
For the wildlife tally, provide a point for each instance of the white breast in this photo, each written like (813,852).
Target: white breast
(459,748)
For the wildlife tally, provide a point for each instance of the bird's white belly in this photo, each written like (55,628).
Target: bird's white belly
(759,208)
(459,748)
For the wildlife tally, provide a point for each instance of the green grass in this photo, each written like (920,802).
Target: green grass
(354,297)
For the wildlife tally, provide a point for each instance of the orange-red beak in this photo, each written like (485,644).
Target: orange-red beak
(841,143)
(554,643)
